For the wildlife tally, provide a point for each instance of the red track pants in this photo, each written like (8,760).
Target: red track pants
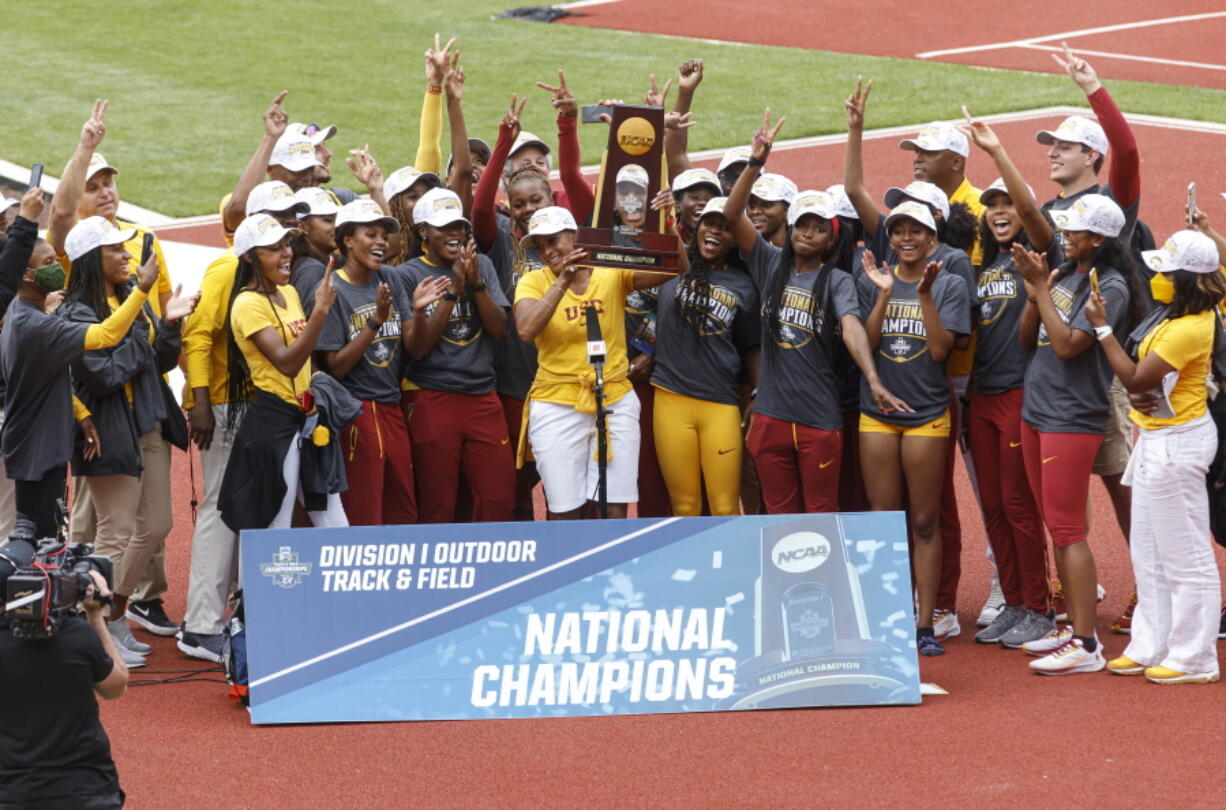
(379,468)
(1058,466)
(798,465)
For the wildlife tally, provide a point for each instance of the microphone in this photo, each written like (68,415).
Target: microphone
(596,350)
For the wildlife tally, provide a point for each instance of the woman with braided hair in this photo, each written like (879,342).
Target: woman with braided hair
(809,308)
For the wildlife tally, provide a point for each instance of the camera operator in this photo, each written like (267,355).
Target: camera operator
(53,750)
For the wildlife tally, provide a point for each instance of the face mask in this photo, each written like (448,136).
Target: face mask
(49,278)
(1162,289)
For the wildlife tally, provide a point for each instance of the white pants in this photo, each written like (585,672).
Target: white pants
(563,442)
(1175,624)
(214,566)
(333,516)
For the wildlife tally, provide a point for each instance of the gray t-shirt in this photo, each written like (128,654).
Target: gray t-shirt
(1000,360)
(798,383)
(903,361)
(462,359)
(706,367)
(376,376)
(1070,396)
(953,261)
(305,278)
(36,350)
(514,358)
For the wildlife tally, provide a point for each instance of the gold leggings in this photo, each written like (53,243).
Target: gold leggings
(699,441)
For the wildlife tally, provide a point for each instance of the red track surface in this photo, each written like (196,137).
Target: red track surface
(906,28)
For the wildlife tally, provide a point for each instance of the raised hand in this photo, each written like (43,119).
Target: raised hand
(765,137)
(931,271)
(31,204)
(979,132)
(1033,268)
(663,200)
(431,289)
(437,62)
(94,129)
(689,75)
(655,97)
(383,303)
(605,118)
(180,306)
(472,268)
(1200,220)
(563,100)
(275,118)
(453,80)
(511,119)
(564,267)
(365,170)
(147,274)
(675,122)
(1078,69)
(880,275)
(855,104)
(1096,310)
(325,293)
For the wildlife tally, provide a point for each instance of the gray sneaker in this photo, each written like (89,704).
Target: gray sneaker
(122,633)
(1032,626)
(133,660)
(1005,620)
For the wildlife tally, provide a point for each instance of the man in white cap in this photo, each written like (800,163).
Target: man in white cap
(940,158)
(1076,151)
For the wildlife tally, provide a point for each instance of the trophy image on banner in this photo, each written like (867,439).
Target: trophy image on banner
(625,233)
(811,631)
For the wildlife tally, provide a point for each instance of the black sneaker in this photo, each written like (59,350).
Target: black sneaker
(1221,628)
(152,617)
(206,648)
(928,645)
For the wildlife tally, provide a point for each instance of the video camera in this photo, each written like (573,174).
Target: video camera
(43,580)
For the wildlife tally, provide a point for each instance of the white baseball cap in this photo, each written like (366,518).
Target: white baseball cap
(319,201)
(274,196)
(936,137)
(548,221)
(1185,250)
(715,205)
(97,163)
(527,139)
(1095,213)
(93,232)
(774,188)
(929,194)
(474,145)
(632,173)
(818,203)
(696,177)
(1076,129)
(998,187)
(910,209)
(403,179)
(735,155)
(258,230)
(439,207)
(293,151)
(365,211)
(842,203)
(313,132)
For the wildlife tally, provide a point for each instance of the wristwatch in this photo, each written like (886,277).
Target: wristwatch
(1102,332)
(450,296)
(374,324)
(477,287)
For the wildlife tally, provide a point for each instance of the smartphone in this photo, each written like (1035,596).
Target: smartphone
(590,113)
(1191,204)
(36,175)
(1094,281)
(146,248)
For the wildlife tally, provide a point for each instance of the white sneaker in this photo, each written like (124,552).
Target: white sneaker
(1102,592)
(122,633)
(993,606)
(1070,659)
(945,624)
(1051,642)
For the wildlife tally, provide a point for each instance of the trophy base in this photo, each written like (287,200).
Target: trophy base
(856,673)
(657,252)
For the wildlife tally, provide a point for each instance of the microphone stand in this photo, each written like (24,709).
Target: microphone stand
(596,357)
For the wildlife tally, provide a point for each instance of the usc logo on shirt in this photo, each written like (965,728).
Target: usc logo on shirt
(295,327)
(576,312)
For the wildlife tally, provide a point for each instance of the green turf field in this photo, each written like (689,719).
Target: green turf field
(188,82)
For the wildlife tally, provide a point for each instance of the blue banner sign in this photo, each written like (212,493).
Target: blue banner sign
(467,621)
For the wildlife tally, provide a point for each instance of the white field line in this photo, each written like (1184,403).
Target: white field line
(1084,32)
(128,211)
(584,3)
(1130,57)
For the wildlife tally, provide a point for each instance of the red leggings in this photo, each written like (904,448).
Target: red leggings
(950,522)
(526,477)
(1009,512)
(379,468)
(798,465)
(1058,466)
(453,430)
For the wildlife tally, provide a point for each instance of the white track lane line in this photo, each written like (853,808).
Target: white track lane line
(1130,57)
(1103,29)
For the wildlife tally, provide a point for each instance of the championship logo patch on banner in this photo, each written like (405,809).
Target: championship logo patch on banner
(579,618)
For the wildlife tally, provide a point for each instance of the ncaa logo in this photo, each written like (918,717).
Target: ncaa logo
(800,552)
